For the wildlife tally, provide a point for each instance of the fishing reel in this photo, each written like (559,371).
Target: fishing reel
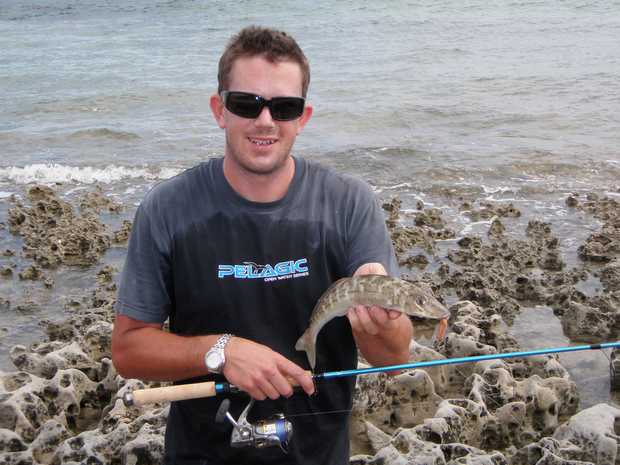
(264,433)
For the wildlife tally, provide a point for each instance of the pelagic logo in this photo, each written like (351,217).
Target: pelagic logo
(250,270)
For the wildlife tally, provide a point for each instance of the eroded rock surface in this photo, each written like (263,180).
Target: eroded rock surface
(54,234)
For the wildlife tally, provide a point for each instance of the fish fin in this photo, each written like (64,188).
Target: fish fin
(302,344)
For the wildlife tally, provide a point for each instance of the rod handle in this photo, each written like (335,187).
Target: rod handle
(140,397)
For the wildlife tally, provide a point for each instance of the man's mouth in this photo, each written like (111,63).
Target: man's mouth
(262,142)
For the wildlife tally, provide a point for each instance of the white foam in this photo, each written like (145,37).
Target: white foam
(498,189)
(55,173)
(5,195)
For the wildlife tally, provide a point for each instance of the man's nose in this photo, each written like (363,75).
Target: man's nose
(264,118)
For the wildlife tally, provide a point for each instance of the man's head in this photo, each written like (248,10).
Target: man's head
(274,46)
(263,76)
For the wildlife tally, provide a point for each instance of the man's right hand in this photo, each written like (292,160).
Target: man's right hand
(262,372)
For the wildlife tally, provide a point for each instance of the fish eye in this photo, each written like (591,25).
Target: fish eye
(420,301)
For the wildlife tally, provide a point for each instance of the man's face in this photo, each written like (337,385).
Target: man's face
(261,145)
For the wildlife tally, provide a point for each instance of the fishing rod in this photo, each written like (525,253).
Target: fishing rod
(211,388)
(278,430)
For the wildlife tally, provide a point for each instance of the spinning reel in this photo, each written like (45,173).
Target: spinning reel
(264,433)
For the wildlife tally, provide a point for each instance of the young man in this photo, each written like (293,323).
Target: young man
(236,252)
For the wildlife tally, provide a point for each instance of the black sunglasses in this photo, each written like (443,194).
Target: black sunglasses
(249,105)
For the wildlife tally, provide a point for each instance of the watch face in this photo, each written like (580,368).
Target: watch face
(213,361)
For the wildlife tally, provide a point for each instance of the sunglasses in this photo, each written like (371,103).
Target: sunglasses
(249,105)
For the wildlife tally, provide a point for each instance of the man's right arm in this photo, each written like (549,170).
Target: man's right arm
(144,351)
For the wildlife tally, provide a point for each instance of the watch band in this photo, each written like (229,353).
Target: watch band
(222,341)
(217,352)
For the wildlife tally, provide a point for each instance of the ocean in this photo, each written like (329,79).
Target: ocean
(507,100)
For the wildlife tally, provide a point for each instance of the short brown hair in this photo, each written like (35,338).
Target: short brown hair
(273,45)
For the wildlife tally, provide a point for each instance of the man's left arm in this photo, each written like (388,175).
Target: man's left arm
(382,336)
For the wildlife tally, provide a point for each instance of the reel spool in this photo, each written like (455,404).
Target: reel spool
(264,433)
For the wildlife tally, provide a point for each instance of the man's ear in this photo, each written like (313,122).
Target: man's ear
(217,108)
(301,122)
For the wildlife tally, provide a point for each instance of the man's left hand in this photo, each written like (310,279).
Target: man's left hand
(381,335)
(372,320)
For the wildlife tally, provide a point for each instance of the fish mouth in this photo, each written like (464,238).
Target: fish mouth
(438,313)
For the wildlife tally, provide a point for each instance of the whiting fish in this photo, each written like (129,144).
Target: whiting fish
(370,290)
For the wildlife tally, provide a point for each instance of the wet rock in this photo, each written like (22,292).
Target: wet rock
(505,272)
(51,434)
(32,273)
(146,448)
(489,210)
(604,245)
(10,441)
(596,432)
(49,358)
(572,201)
(6,271)
(431,218)
(584,322)
(417,261)
(548,451)
(429,227)
(497,228)
(406,238)
(376,438)
(8,253)
(53,234)
(106,274)
(97,340)
(122,235)
(392,207)
(98,202)
(610,277)
(598,248)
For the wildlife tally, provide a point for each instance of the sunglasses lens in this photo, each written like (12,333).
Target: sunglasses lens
(244,105)
(249,105)
(287,108)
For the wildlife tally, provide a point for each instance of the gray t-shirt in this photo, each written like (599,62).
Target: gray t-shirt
(214,262)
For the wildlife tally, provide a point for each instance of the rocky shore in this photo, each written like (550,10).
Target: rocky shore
(62,404)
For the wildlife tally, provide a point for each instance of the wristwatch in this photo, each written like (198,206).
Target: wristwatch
(214,358)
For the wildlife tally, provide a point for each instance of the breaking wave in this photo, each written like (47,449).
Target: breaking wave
(56,173)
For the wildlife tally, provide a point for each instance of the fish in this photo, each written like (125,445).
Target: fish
(371,290)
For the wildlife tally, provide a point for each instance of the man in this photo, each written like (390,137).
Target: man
(236,252)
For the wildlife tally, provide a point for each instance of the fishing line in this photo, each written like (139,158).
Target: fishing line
(328,412)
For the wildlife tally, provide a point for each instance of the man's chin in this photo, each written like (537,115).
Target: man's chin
(265,165)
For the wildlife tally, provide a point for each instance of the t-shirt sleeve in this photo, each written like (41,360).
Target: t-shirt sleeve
(368,239)
(145,288)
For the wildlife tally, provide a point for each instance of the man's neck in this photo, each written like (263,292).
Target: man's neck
(256,187)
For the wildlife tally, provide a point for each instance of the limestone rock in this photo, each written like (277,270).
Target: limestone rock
(596,432)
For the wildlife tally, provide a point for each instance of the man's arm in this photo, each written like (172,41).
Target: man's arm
(381,335)
(143,350)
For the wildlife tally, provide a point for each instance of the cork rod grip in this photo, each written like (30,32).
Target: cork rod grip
(172,393)
(179,392)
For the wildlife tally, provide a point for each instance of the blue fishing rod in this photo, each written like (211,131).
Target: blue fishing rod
(460,360)
(278,431)
(211,388)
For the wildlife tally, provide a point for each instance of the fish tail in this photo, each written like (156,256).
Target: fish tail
(305,343)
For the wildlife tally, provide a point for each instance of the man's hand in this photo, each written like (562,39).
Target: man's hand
(262,372)
(372,320)
(381,335)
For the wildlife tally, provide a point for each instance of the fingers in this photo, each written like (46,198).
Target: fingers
(371,320)
(262,372)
